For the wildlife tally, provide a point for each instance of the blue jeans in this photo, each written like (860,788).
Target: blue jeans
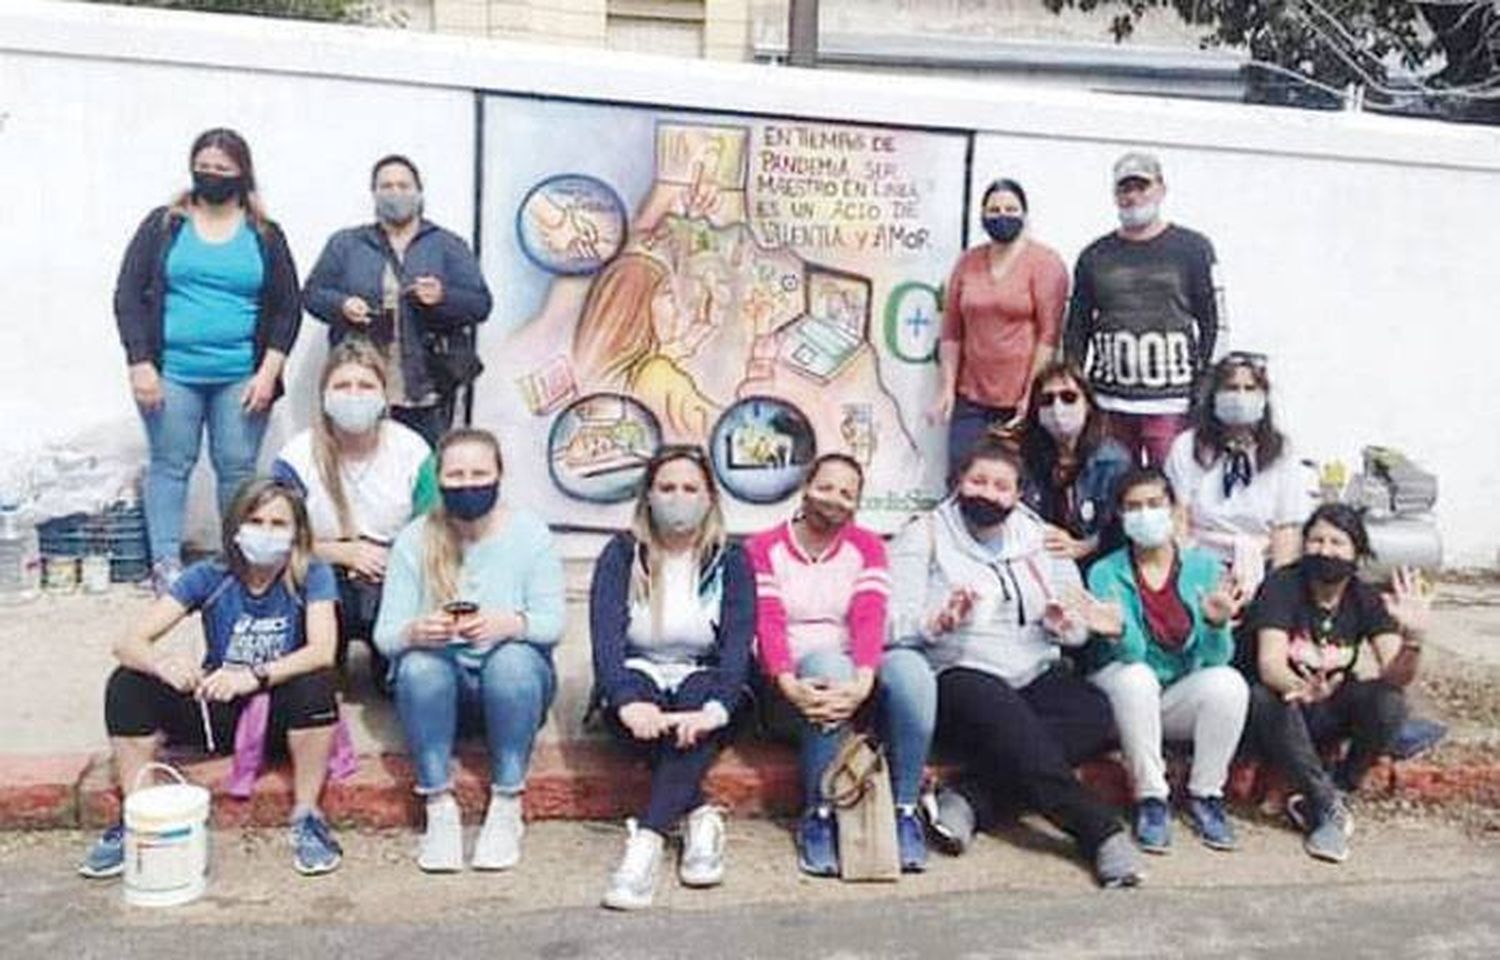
(507,695)
(905,714)
(174,432)
(968,425)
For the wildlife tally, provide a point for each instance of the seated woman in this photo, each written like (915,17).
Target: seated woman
(672,613)
(1072,465)
(364,477)
(821,592)
(1235,474)
(1334,657)
(976,588)
(268,625)
(1166,672)
(473,606)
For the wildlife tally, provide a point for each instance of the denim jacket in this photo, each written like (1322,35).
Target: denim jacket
(1093,490)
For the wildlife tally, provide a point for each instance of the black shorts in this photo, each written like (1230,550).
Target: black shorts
(138,704)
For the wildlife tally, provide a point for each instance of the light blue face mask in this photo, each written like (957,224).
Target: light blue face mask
(1239,408)
(1148,526)
(263,546)
(354,411)
(677,514)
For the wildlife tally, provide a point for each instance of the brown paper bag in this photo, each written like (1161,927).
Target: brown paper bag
(858,785)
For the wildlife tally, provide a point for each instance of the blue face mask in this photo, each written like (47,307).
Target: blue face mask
(1148,526)
(1003,228)
(471,503)
(263,546)
(353,411)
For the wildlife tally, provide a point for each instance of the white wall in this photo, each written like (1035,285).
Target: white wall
(1356,248)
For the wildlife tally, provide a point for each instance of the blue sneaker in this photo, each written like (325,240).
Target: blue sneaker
(106,858)
(1153,826)
(1211,823)
(315,850)
(910,841)
(818,844)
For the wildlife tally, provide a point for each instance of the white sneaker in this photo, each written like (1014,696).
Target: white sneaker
(499,843)
(703,848)
(443,843)
(633,884)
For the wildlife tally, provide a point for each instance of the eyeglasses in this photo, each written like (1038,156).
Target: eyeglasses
(1246,358)
(1066,397)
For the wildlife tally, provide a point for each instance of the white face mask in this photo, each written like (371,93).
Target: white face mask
(1239,408)
(1148,526)
(263,546)
(1063,421)
(353,411)
(1140,215)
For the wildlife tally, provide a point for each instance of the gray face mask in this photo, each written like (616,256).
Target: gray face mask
(677,514)
(1140,215)
(397,208)
(1239,408)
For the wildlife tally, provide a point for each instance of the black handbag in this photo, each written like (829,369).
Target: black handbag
(452,362)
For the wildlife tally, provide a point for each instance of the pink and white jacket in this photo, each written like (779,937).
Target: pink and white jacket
(805,604)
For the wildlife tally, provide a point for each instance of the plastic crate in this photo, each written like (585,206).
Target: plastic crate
(119,531)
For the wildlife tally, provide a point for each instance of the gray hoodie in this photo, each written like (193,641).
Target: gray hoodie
(1004,635)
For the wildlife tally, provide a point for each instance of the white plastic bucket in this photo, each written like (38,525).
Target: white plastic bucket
(166,841)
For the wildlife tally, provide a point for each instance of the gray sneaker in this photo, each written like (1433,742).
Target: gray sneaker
(1117,863)
(950,819)
(1329,838)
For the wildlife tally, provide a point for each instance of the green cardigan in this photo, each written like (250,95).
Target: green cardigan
(1112,577)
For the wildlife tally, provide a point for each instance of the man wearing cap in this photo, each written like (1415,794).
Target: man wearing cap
(1143,316)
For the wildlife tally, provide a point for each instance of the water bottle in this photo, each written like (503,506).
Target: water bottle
(20,561)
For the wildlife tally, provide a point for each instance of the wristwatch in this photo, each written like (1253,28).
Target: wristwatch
(262,675)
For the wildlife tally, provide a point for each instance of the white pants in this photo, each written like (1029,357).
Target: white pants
(1207,706)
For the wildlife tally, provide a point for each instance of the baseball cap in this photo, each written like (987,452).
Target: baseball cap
(1144,166)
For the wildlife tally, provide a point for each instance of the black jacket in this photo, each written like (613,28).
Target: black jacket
(141,290)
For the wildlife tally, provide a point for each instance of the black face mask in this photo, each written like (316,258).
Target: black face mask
(216,188)
(982,512)
(824,514)
(1327,570)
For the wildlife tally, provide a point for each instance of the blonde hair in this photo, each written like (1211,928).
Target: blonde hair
(443,553)
(325,450)
(254,494)
(614,332)
(645,574)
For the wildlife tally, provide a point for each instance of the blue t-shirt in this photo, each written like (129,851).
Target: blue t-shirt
(243,628)
(213,299)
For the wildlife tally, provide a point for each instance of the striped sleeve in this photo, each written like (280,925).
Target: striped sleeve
(871,597)
(770,611)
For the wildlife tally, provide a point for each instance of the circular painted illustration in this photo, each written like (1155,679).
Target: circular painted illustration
(760,448)
(913,321)
(571,224)
(598,447)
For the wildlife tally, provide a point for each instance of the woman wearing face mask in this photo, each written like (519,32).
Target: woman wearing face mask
(1334,658)
(407,284)
(268,625)
(1072,465)
(206,305)
(473,606)
(364,477)
(1002,318)
(977,590)
(821,593)
(1235,474)
(1166,671)
(672,613)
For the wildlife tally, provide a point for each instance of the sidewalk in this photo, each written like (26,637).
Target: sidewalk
(55,655)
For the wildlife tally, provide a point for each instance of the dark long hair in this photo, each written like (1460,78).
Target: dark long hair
(1038,448)
(237,149)
(1342,517)
(1209,435)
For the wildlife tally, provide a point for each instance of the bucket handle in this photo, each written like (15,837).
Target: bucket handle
(157,767)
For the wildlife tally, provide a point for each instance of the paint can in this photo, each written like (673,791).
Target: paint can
(166,841)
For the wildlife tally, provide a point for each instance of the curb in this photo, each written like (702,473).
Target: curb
(592,780)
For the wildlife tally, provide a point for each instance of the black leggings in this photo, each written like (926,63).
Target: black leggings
(138,704)
(676,775)
(1019,746)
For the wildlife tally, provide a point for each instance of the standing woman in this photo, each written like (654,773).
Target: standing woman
(1072,464)
(1002,318)
(364,477)
(1235,475)
(473,606)
(413,288)
(206,304)
(672,614)
(822,584)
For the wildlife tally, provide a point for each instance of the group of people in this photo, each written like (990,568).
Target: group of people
(1095,575)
